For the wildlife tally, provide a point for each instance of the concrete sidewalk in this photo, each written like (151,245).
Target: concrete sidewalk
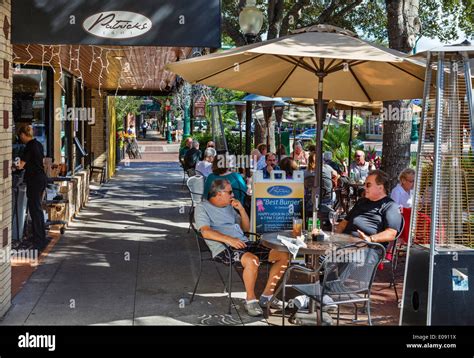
(129,260)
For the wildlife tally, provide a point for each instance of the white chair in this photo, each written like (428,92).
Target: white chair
(195,186)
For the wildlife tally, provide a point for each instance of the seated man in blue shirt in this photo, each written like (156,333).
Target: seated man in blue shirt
(221,225)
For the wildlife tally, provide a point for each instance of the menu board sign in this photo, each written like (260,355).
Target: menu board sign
(276,202)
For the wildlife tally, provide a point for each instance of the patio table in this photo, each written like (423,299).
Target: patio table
(314,248)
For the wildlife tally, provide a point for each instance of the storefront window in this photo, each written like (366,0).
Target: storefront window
(79,121)
(30,104)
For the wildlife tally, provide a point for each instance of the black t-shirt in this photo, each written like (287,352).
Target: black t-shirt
(191,158)
(33,157)
(372,217)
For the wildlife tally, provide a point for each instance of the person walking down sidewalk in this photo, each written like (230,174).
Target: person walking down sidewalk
(222,221)
(145,126)
(132,145)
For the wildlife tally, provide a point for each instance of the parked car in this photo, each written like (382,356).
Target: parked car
(307,135)
(200,125)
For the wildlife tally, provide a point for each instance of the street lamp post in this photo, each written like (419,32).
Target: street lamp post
(168,121)
(250,21)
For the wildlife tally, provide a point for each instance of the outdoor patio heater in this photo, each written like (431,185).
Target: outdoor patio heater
(439,271)
(217,128)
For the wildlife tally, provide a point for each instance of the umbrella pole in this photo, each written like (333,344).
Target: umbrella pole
(279,142)
(319,150)
(248,130)
(350,135)
(240,134)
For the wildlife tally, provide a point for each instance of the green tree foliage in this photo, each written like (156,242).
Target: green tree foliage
(223,95)
(125,105)
(231,138)
(336,141)
(439,18)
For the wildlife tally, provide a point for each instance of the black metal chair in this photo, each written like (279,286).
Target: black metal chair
(391,258)
(205,255)
(346,282)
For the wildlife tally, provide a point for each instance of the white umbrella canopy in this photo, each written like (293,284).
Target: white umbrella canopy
(293,114)
(375,107)
(287,67)
(320,62)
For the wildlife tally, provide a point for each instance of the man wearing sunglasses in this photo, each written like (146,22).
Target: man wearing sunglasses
(222,220)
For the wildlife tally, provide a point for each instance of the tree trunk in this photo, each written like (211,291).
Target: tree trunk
(396,140)
(275,17)
(403,26)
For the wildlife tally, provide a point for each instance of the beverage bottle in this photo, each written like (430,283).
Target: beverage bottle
(318,224)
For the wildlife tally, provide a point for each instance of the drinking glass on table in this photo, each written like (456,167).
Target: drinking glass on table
(333,218)
(297,227)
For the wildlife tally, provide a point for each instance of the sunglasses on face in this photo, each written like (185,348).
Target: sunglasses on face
(227,191)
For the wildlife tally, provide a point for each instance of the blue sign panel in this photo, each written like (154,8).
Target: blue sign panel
(180,23)
(279,190)
(276,214)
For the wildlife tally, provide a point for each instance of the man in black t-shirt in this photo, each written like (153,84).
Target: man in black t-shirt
(36,181)
(376,217)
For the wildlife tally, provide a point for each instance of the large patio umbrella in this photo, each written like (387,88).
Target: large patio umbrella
(321,62)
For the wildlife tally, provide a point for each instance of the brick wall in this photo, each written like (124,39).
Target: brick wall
(98,131)
(5,153)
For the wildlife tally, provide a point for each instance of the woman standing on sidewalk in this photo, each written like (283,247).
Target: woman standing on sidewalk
(36,181)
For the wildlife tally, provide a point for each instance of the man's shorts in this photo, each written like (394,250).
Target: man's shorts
(253,247)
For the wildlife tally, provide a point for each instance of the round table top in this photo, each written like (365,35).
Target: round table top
(313,247)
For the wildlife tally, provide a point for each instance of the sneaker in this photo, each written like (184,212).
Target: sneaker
(276,303)
(253,308)
(327,306)
(292,310)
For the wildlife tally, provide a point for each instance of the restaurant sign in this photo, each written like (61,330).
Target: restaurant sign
(275,202)
(115,22)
